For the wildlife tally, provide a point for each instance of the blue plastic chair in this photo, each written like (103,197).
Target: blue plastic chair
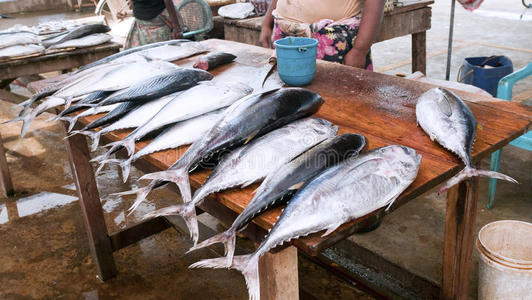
(504,91)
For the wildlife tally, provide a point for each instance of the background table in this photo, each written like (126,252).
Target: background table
(381,107)
(411,18)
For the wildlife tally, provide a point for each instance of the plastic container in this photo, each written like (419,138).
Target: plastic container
(485,72)
(296,59)
(505,267)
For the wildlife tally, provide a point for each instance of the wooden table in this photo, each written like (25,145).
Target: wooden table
(411,18)
(381,107)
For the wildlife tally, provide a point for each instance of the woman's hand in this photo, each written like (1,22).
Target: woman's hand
(266,37)
(356,58)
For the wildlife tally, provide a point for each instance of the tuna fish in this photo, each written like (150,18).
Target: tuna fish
(159,85)
(448,120)
(213,60)
(91,98)
(246,119)
(277,188)
(132,119)
(112,116)
(206,97)
(340,194)
(253,162)
(130,51)
(82,42)
(76,33)
(179,134)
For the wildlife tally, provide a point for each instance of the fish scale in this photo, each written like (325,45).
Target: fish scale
(253,162)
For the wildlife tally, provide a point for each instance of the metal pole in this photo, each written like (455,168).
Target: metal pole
(450,44)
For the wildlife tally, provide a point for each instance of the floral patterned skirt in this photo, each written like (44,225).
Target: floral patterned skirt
(335,39)
(144,32)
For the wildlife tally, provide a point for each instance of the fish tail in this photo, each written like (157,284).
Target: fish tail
(68,101)
(19,118)
(228,238)
(73,133)
(125,166)
(95,139)
(100,158)
(187,211)
(468,172)
(71,121)
(26,122)
(178,176)
(248,265)
(25,106)
(141,195)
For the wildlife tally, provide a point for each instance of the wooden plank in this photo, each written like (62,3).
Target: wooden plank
(409,5)
(11,97)
(419,52)
(99,241)
(5,176)
(278,275)
(459,237)
(56,61)
(137,232)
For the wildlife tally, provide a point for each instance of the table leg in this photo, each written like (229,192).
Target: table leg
(5,177)
(99,241)
(278,275)
(459,237)
(419,52)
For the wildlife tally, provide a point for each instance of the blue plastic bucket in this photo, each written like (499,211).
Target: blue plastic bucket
(474,72)
(296,59)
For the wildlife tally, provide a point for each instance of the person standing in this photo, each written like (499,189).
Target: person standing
(345,29)
(155,21)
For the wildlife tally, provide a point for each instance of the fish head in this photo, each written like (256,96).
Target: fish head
(403,160)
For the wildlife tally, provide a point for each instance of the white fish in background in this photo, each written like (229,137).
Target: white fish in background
(18,38)
(86,41)
(336,196)
(253,162)
(448,120)
(20,50)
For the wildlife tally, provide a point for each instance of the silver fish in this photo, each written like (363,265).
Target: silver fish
(82,42)
(28,119)
(246,119)
(18,38)
(193,102)
(179,134)
(278,186)
(89,112)
(253,162)
(132,119)
(20,50)
(168,52)
(448,120)
(338,195)
(118,78)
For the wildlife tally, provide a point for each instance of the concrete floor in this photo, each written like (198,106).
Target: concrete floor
(44,252)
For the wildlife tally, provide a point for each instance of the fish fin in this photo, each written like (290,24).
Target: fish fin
(71,121)
(177,176)
(141,195)
(228,238)
(125,166)
(250,138)
(331,229)
(68,101)
(26,122)
(468,172)
(187,211)
(248,265)
(95,138)
(103,162)
(296,186)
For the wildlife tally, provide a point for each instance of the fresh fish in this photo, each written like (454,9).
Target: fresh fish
(253,162)
(169,52)
(77,33)
(213,60)
(277,188)
(91,98)
(112,116)
(134,118)
(120,54)
(18,38)
(338,195)
(448,120)
(20,50)
(196,101)
(119,78)
(179,134)
(89,112)
(100,70)
(246,119)
(160,85)
(82,42)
